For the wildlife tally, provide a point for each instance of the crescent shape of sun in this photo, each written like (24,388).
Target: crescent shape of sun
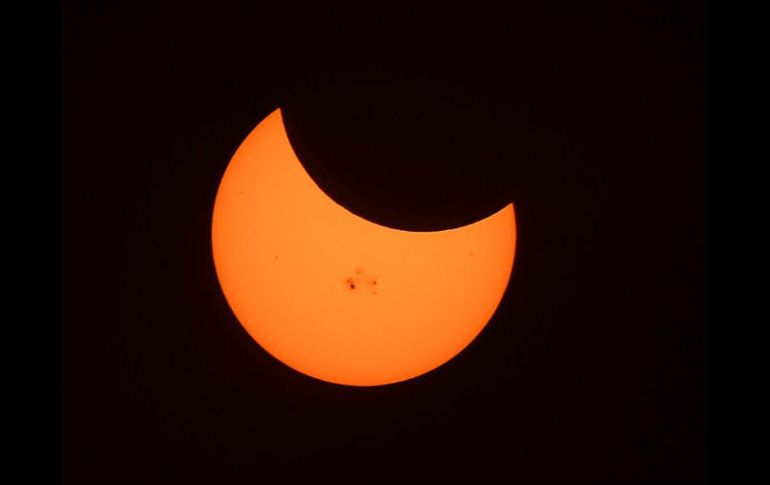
(340,298)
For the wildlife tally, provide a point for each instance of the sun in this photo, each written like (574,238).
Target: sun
(335,296)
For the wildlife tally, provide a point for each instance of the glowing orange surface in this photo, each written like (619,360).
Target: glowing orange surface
(335,296)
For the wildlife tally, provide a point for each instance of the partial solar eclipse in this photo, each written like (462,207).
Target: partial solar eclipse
(335,296)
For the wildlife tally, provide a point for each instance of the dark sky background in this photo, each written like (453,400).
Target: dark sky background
(589,116)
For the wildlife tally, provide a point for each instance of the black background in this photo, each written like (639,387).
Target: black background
(589,117)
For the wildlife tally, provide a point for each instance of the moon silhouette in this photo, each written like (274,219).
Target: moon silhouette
(335,296)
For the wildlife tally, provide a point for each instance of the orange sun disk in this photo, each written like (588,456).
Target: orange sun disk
(340,298)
